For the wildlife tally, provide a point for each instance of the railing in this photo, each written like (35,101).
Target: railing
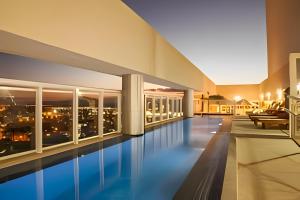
(294,118)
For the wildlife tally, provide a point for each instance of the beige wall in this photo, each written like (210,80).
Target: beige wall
(283,30)
(249,92)
(278,80)
(173,66)
(100,35)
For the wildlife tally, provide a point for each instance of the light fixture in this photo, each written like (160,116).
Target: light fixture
(279,94)
(262,97)
(298,88)
(237,98)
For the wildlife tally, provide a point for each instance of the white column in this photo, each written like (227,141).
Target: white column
(39,120)
(188,99)
(133,104)
(293,90)
(119,113)
(172,107)
(176,107)
(153,109)
(145,109)
(100,114)
(180,104)
(161,108)
(168,108)
(75,115)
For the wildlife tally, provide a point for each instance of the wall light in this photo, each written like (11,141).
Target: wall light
(237,98)
(262,97)
(279,94)
(298,88)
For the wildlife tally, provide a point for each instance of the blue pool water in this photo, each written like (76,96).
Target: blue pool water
(152,166)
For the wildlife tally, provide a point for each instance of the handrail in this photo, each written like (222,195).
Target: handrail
(288,111)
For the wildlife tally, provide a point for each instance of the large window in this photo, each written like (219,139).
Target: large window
(148,111)
(158,108)
(57,117)
(17,120)
(110,113)
(87,114)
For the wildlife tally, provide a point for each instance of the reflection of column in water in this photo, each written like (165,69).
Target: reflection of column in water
(137,146)
(180,124)
(160,139)
(39,176)
(187,129)
(120,159)
(153,140)
(101,169)
(174,133)
(179,132)
(164,136)
(76,178)
(177,135)
(156,140)
(169,135)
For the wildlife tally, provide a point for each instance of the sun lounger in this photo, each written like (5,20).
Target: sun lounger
(255,119)
(273,122)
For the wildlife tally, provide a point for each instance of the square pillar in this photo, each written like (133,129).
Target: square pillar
(133,104)
(188,103)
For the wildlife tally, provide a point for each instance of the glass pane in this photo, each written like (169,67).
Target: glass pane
(110,113)
(170,108)
(181,110)
(87,115)
(148,112)
(157,109)
(57,117)
(164,107)
(17,121)
(174,108)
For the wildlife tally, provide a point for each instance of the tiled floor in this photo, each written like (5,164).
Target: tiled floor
(268,169)
(247,128)
(261,165)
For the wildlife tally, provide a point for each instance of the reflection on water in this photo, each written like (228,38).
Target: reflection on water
(152,166)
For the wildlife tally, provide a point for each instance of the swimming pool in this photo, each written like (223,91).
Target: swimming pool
(152,166)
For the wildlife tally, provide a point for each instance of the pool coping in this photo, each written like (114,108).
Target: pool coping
(205,180)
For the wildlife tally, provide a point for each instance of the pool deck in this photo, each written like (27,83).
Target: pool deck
(261,164)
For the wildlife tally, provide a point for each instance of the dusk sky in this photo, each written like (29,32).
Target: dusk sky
(226,39)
